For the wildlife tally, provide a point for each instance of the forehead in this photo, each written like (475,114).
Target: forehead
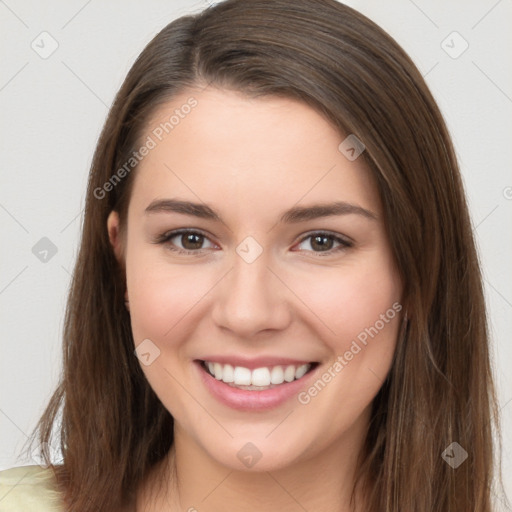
(235,151)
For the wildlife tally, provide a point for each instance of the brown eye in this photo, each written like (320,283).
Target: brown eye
(322,242)
(325,243)
(191,241)
(185,241)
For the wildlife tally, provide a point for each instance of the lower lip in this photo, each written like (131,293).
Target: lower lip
(246,400)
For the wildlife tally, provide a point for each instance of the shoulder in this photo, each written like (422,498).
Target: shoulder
(29,488)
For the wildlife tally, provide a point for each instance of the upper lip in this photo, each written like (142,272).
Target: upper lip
(257,362)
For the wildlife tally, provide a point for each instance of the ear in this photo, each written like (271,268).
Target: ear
(115,236)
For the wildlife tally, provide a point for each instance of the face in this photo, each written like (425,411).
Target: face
(265,324)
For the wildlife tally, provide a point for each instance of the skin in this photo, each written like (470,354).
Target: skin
(250,160)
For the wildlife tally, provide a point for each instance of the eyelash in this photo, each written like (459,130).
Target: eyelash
(166,237)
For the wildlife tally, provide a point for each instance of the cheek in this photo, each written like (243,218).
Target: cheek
(162,295)
(163,300)
(362,310)
(349,301)
(162,306)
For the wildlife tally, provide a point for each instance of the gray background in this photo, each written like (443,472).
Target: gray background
(53,109)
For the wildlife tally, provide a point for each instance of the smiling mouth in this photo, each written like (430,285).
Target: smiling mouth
(259,379)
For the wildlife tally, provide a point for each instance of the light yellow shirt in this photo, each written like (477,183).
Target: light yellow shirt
(29,489)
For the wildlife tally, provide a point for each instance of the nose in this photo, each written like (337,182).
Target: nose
(251,299)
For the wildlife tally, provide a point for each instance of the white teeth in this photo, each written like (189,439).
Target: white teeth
(228,373)
(289,373)
(259,377)
(242,376)
(301,371)
(277,375)
(217,370)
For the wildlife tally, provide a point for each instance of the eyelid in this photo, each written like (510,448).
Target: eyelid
(167,236)
(344,241)
(342,238)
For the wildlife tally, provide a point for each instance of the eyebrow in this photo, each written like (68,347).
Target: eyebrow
(293,215)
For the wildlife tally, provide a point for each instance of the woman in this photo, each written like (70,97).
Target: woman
(277,303)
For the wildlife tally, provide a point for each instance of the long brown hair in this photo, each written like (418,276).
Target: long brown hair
(112,427)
